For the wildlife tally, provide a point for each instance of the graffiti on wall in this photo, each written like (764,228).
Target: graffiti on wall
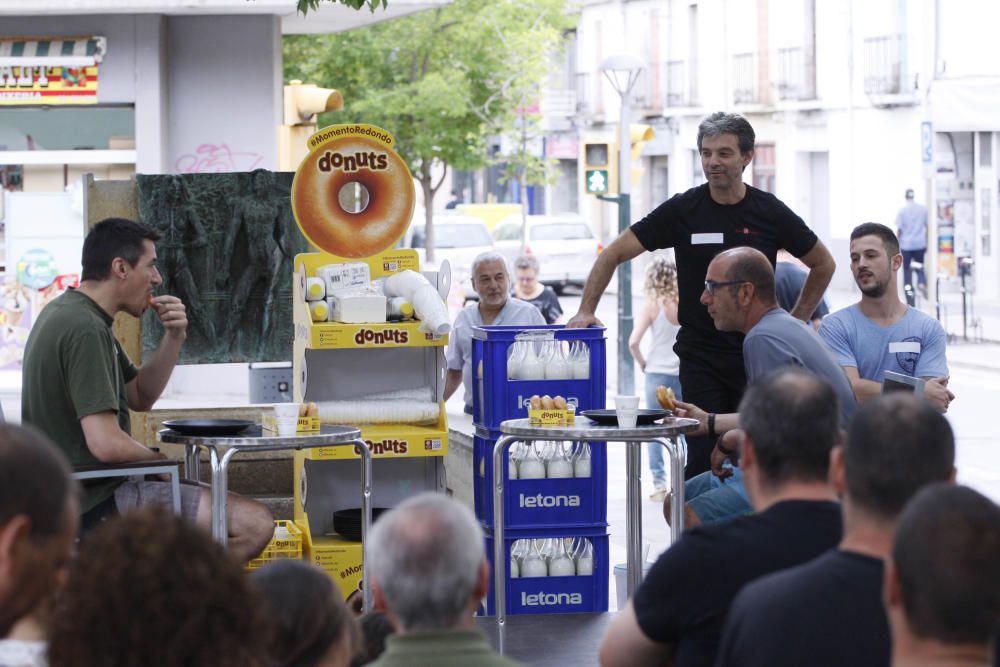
(217,159)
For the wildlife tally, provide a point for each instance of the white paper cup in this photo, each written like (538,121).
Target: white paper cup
(287,427)
(627,418)
(286,410)
(626,402)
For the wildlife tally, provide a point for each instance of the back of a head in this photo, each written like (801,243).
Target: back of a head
(909,195)
(426,554)
(792,418)
(110,238)
(375,629)
(34,479)
(896,444)
(148,589)
(947,560)
(310,617)
(753,266)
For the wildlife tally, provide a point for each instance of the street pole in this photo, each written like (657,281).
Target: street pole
(626,369)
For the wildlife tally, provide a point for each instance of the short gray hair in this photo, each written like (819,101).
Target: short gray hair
(721,122)
(489,256)
(426,554)
(529,262)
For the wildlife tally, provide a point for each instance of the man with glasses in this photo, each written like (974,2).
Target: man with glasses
(723,213)
(739,296)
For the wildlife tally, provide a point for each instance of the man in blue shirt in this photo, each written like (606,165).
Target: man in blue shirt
(911,225)
(881,333)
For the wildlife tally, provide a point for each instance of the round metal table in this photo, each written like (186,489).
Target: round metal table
(669,434)
(256,439)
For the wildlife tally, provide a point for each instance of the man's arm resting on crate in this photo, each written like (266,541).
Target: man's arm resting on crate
(452,382)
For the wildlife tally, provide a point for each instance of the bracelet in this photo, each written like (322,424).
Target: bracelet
(711,425)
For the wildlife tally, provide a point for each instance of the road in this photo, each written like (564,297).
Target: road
(976,386)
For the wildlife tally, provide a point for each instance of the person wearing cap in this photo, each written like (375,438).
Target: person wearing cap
(911,226)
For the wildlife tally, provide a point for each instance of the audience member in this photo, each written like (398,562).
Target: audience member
(527,288)
(152,589)
(660,365)
(789,277)
(495,306)
(312,625)
(739,295)
(942,581)
(881,333)
(79,384)
(789,421)
(829,611)
(38,521)
(375,630)
(428,572)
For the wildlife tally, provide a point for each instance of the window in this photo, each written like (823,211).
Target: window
(763,167)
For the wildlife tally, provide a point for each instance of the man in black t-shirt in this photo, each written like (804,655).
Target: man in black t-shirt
(789,421)
(724,213)
(829,613)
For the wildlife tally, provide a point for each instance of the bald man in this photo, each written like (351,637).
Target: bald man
(740,296)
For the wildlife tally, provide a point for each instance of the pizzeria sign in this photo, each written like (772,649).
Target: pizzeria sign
(50,70)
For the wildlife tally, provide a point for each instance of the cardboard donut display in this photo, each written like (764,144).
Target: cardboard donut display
(340,155)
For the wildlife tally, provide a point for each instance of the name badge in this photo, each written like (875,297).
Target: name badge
(904,346)
(706,239)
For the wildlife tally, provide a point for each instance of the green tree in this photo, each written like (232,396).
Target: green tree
(305,6)
(442,81)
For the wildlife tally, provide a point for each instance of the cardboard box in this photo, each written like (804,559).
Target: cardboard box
(339,558)
(552,417)
(269,422)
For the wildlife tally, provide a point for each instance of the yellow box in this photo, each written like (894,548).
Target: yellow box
(552,417)
(392,441)
(286,543)
(269,422)
(339,558)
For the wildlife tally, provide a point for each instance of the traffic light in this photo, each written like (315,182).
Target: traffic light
(600,167)
(638,136)
(302,101)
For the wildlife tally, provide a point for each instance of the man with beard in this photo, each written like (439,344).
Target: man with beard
(881,333)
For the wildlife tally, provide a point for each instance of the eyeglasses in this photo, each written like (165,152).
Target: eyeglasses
(711,285)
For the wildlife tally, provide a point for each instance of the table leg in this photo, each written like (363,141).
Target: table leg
(499,551)
(219,527)
(366,519)
(676,450)
(633,516)
(192,463)
(175,488)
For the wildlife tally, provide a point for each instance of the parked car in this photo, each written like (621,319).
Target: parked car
(563,244)
(457,238)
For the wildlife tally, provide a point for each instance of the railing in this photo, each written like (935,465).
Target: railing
(584,99)
(680,83)
(745,88)
(647,94)
(883,65)
(796,74)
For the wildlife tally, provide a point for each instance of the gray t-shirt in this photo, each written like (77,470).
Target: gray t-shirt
(779,339)
(912,224)
(514,313)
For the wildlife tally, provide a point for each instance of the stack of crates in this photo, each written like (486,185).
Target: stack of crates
(541,511)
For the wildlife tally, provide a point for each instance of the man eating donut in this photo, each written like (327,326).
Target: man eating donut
(491,281)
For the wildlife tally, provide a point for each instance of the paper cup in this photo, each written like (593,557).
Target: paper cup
(287,427)
(627,418)
(626,402)
(286,411)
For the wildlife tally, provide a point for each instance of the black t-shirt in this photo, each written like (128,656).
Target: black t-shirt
(826,613)
(699,229)
(548,303)
(684,599)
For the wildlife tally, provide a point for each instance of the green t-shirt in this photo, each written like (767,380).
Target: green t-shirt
(74,367)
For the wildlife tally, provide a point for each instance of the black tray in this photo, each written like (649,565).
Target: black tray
(610,417)
(208,426)
(347,522)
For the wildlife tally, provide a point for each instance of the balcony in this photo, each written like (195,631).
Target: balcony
(646,95)
(680,83)
(886,79)
(745,79)
(796,74)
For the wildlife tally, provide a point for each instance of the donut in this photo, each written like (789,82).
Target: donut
(344,159)
(665,396)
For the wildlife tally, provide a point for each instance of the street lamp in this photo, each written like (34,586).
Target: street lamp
(622,71)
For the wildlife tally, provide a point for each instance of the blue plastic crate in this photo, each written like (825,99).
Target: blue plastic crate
(540,503)
(495,398)
(554,595)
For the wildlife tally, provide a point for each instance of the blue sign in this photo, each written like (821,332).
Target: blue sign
(926,142)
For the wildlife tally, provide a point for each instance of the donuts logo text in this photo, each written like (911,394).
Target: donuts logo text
(352,163)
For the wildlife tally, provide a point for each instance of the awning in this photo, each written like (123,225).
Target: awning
(59,70)
(965,104)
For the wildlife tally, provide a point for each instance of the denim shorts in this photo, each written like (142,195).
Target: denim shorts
(713,500)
